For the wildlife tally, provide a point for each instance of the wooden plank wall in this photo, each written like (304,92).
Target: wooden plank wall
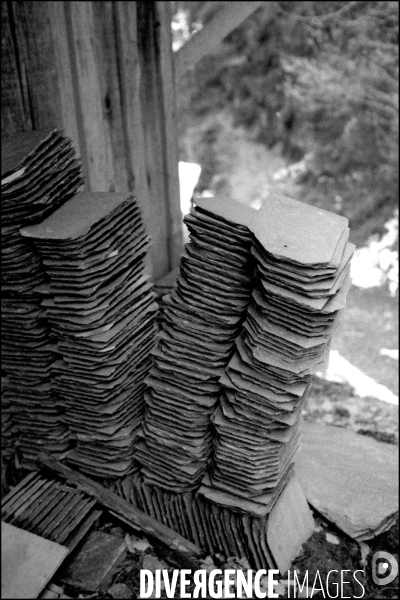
(103,72)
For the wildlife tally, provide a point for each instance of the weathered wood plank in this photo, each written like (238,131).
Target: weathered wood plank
(167,84)
(110,92)
(37,63)
(132,117)
(66,82)
(13,116)
(203,42)
(129,66)
(154,144)
(125,511)
(86,53)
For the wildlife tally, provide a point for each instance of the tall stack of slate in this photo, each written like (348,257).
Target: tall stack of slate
(203,316)
(302,258)
(101,309)
(8,430)
(249,502)
(39,173)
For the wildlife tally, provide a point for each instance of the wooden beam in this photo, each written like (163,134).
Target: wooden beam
(132,115)
(203,42)
(154,94)
(110,89)
(167,84)
(36,67)
(125,511)
(86,54)
(145,62)
(65,78)
(130,75)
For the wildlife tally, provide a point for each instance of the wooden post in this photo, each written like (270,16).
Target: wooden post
(167,76)
(132,116)
(67,81)
(13,114)
(85,51)
(148,107)
(160,145)
(110,89)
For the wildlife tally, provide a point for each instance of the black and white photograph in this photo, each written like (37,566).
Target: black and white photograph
(199,299)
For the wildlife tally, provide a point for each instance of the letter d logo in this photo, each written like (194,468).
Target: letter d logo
(384,572)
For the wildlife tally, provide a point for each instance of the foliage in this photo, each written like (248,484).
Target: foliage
(245,73)
(344,92)
(320,78)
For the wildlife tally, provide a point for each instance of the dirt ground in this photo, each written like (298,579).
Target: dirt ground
(328,550)
(336,404)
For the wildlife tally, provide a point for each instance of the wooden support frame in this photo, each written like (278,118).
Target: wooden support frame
(129,66)
(97,140)
(168,88)
(203,42)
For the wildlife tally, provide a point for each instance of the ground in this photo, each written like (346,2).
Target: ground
(328,550)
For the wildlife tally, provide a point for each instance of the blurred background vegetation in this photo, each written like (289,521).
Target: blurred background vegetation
(315,82)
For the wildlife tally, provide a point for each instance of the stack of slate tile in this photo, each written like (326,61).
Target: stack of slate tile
(39,173)
(249,502)
(302,261)
(163,287)
(49,508)
(8,430)
(102,311)
(203,316)
(28,359)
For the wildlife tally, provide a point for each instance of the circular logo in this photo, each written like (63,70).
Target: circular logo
(384,568)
